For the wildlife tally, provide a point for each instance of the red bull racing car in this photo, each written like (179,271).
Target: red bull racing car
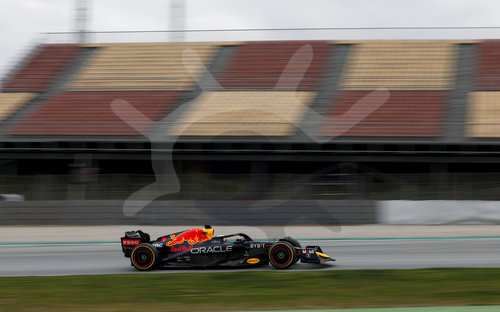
(200,248)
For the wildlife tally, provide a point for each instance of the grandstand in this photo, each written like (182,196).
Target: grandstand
(407,114)
(41,68)
(260,65)
(263,121)
(90,113)
(141,67)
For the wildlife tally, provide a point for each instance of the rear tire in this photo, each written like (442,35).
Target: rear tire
(282,255)
(144,257)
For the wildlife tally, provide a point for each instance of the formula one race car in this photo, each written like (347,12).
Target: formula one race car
(200,248)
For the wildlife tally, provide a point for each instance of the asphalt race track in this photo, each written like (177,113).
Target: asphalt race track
(79,259)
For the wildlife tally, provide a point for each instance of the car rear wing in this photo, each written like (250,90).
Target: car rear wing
(132,239)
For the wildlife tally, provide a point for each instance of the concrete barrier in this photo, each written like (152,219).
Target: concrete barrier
(270,212)
(438,212)
(249,213)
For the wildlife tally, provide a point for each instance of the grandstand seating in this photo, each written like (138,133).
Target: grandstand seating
(10,102)
(252,103)
(244,113)
(483,119)
(90,113)
(418,74)
(39,70)
(483,114)
(400,65)
(259,66)
(488,66)
(405,114)
(142,66)
(436,135)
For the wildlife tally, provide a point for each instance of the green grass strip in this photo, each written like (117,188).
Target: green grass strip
(253,290)
(425,309)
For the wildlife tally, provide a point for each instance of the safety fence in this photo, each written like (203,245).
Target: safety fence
(88,185)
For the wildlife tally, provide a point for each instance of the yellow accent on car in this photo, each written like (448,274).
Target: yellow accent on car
(322,255)
(209,233)
(253,260)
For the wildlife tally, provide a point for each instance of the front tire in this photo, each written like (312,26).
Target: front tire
(294,243)
(144,257)
(282,255)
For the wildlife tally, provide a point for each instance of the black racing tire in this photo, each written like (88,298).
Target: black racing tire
(282,255)
(294,243)
(144,257)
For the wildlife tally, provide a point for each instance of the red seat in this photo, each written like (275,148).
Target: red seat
(259,66)
(90,113)
(487,71)
(41,68)
(404,114)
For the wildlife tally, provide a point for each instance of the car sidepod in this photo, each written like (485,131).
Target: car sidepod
(216,252)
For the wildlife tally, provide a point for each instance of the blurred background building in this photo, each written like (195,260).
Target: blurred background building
(281,121)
